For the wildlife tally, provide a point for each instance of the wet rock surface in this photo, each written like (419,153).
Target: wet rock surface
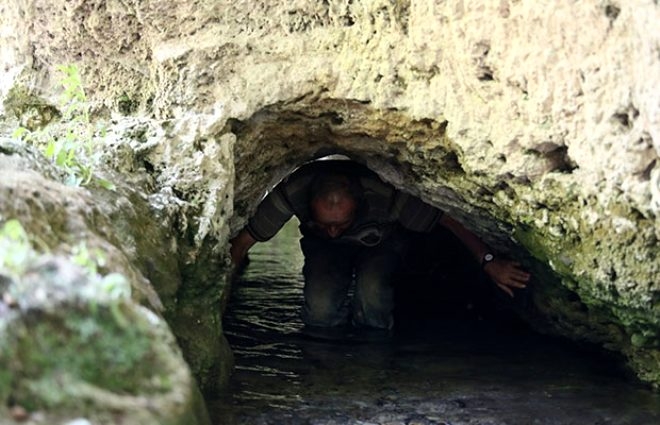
(449,369)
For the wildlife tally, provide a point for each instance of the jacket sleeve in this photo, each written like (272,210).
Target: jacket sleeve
(414,214)
(273,212)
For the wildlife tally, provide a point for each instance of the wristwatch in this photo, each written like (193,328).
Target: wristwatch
(487,258)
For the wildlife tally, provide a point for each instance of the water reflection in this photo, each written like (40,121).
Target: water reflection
(436,371)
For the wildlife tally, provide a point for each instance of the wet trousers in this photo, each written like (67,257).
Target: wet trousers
(330,269)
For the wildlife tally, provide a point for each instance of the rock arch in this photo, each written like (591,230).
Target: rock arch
(540,135)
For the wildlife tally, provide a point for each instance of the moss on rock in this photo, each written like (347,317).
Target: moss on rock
(70,347)
(33,111)
(606,256)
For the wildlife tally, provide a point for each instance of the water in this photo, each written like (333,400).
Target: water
(436,370)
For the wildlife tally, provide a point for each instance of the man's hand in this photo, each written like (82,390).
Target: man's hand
(240,245)
(507,275)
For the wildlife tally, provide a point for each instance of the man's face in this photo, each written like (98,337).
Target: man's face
(333,218)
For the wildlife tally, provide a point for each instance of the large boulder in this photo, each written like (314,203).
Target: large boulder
(74,343)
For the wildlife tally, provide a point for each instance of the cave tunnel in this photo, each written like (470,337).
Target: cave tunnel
(461,349)
(414,156)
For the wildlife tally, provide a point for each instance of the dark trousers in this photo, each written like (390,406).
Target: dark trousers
(330,269)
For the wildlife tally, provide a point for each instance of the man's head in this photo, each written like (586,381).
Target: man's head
(333,204)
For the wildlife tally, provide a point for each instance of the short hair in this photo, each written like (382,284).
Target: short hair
(326,184)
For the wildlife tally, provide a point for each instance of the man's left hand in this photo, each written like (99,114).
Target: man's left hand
(507,275)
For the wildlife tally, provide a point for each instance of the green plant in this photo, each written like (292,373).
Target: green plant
(71,143)
(15,249)
(113,285)
(17,253)
(90,337)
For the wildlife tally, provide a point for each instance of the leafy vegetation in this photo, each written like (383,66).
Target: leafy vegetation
(17,253)
(15,249)
(71,142)
(101,342)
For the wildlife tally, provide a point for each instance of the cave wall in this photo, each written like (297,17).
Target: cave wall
(536,123)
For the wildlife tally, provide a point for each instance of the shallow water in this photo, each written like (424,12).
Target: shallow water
(434,371)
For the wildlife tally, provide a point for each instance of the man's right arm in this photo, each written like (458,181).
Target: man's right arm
(271,214)
(289,197)
(240,245)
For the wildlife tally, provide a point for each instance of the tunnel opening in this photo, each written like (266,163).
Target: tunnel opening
(438,278)
(414,156)
(445,308)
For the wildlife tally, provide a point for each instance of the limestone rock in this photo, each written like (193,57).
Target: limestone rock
(138,233)
(536,124)
(130,239)
(71,346)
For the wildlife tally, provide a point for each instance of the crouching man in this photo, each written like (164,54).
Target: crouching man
(353,226)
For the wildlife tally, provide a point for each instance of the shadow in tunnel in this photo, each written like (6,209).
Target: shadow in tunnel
(439,279)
